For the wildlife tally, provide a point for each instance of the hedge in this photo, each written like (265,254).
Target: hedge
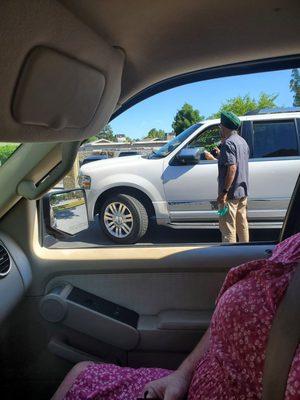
(6,151)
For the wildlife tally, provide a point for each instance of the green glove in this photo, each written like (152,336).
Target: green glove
(223,211)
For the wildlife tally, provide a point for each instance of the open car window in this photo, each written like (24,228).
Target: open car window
(174,143)
(150,177)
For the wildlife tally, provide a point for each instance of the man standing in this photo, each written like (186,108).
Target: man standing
(233,180)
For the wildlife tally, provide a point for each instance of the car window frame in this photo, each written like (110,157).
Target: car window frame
(201,133)
(256,66)
(172,156)
(206,125)
(167,156)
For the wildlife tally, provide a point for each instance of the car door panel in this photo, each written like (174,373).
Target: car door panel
(190,191)
(174,297)
(272,182)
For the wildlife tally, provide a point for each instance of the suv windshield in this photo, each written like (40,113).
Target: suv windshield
(166,149)
(6,150)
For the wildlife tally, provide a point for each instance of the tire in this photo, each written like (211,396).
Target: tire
(115,219)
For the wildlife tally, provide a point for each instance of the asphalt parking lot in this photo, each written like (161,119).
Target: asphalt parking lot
(94,237)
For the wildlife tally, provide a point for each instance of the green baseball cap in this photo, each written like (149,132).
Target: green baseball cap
(230,120)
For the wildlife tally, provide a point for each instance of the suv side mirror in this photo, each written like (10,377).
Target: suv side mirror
(65,212)
(189,156)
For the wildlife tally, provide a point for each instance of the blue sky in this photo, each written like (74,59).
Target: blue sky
(158,111)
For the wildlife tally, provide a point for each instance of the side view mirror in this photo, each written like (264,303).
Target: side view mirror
(65,212)
(189,156)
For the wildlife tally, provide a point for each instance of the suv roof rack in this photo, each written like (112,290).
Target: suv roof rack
(277,110)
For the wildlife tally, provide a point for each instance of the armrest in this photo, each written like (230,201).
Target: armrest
(184,320)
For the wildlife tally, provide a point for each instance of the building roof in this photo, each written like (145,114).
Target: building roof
(102,140)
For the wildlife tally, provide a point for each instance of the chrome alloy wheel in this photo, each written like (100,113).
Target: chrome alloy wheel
(118,219)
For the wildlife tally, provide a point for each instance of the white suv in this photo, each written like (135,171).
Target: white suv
(176,186)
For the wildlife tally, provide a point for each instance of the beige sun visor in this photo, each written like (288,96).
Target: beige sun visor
(60,81)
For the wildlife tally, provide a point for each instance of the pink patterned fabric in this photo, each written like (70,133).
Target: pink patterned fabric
(232,368)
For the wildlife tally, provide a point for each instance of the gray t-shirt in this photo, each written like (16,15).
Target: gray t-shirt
(234,150)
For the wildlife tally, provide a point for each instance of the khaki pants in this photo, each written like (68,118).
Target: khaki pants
(235,222)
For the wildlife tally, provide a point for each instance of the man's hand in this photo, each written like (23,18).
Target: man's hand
(222,199)
(217,150)
(208,155)
(172,387)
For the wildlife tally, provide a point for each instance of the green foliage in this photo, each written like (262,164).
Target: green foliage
(91,139)
(56,198)
(240,105)
(6,151)
(210,138)
(106,133)
(295,86)
(156,133)
(185,117)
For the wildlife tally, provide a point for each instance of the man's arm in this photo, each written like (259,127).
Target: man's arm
(230,175)
(231,171)
(209,156)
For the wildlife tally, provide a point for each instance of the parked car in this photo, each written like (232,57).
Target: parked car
(177,189)
(96,157)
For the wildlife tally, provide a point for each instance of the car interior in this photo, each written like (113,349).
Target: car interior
(67,67)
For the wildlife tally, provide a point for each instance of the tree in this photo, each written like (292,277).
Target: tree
(240,105)
(91,139)
(185,117)
(295,86)
(156,134)
(107,133)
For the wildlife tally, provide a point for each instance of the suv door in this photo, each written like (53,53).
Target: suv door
(274,167)
(191,189)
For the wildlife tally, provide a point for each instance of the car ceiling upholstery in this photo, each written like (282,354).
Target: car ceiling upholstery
(67,65)
(166,38)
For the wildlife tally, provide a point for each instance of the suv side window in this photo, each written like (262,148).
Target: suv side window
(275,139)
(207,140)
